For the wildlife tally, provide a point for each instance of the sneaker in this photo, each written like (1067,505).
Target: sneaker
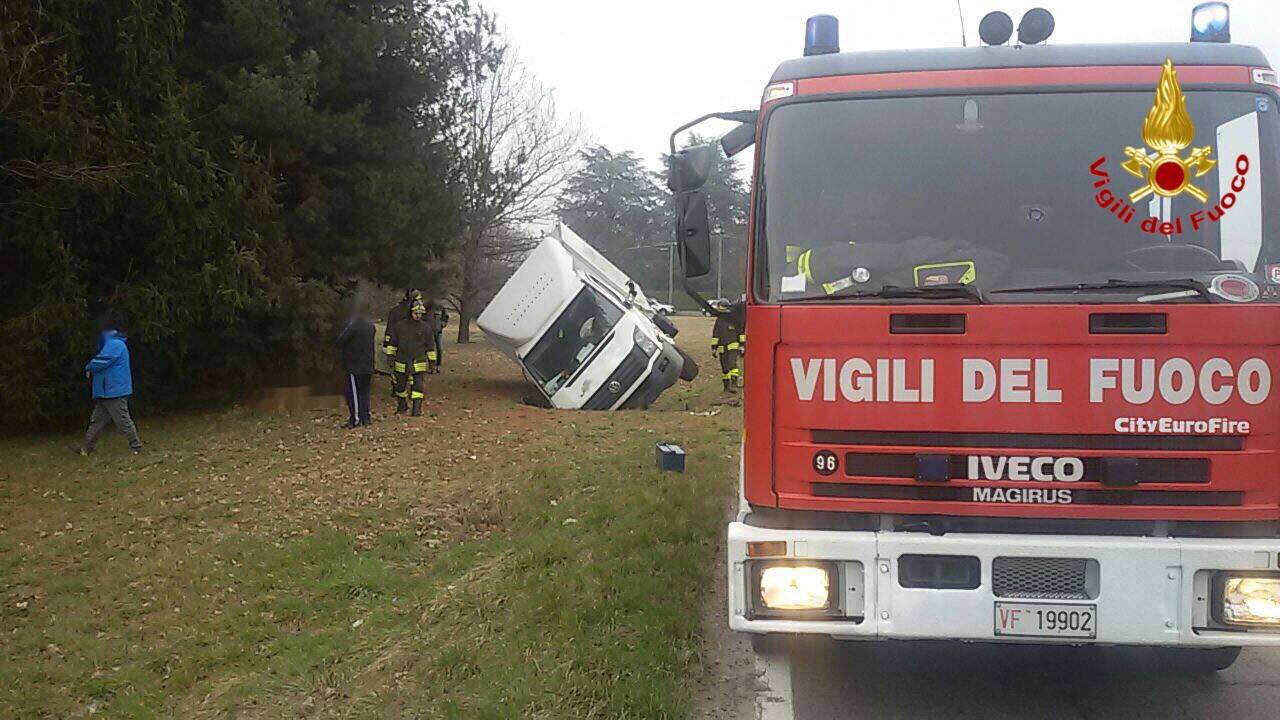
(137,451)
(81,451)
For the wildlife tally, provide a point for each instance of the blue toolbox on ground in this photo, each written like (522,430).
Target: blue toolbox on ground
(670,457)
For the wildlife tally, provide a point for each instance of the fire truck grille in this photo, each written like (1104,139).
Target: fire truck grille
(1043,578)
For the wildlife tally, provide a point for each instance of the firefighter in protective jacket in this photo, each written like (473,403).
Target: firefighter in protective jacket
(728,341)
(395,314)
(415,355)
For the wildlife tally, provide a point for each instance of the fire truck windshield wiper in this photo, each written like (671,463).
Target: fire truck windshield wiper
(1189,287)
(949,291)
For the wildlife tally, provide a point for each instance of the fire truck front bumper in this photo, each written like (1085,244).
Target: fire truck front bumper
(1206,592)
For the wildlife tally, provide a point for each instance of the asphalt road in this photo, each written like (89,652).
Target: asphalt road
(833,679)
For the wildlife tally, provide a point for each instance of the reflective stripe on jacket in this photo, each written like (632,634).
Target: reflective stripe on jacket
(414,341)
(725,337)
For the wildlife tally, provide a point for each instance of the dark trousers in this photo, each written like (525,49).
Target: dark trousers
(111,411)
(731,368)
(440,349)
(356,390)
(409,381)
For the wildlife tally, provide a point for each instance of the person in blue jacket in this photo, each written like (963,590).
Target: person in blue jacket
(112,385)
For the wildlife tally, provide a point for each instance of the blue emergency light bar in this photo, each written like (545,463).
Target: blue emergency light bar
(1211,22)
(821,35)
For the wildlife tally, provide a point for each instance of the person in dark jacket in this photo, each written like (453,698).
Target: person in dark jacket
(728,342)
(414,341)
(356,343)
(439,321)
(112,380)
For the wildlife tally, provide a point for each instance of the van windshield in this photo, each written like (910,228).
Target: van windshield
(1018,192)
(581,328)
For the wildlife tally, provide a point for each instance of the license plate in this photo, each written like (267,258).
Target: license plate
(1046,620)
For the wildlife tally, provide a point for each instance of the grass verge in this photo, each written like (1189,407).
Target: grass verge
(486,561)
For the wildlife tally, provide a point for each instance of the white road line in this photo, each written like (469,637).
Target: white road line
(773,700)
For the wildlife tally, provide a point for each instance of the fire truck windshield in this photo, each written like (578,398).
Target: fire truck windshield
(1018,191)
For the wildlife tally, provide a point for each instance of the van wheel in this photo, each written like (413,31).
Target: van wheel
(1203,661)
(689,369)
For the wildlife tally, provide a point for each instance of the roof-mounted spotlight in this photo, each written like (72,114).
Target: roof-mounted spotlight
(1035,27)
(995,28)
(821,35)
(1211,22)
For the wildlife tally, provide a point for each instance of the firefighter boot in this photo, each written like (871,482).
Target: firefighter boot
(401,405)
(417,408)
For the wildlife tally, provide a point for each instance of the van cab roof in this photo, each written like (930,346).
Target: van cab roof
(1015,56)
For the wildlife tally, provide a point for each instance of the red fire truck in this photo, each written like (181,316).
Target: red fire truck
(1013,326)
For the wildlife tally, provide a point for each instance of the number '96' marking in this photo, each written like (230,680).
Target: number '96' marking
(825,462)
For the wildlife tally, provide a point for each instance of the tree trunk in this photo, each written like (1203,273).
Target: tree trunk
(467,298)
(464,322)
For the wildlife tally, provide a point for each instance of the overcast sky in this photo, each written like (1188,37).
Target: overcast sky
(634,71)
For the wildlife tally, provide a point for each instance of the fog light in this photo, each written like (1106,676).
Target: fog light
(1251,601)
(795,587)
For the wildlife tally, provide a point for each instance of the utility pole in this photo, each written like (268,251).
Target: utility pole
(671,266)
(719,262)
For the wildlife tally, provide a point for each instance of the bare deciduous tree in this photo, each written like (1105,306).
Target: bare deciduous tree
(516,152)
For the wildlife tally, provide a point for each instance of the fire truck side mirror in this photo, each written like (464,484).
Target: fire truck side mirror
(738,139)
(693,233)
(690,168)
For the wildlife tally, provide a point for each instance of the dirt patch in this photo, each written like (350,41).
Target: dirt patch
(729,680)
(431,475)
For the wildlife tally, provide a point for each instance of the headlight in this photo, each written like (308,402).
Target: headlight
(643,342)
(795,587)
(1251,601)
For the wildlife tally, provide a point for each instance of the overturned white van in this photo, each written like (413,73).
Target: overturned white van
(585,335)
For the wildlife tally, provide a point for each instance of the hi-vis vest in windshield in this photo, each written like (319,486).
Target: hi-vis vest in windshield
(917,262)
